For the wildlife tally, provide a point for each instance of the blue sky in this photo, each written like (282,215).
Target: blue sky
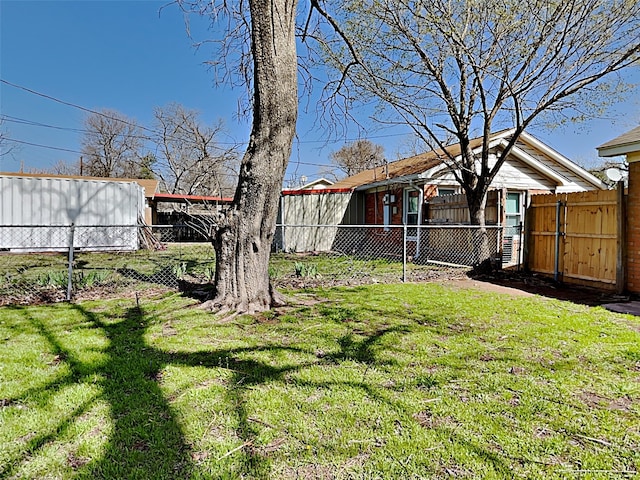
(127,56)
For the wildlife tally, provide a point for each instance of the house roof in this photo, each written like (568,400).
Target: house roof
(405,167)
(414,167)
(149,186)
(320,183)
(626,143)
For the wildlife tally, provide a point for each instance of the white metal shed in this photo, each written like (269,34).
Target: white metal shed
(37,213)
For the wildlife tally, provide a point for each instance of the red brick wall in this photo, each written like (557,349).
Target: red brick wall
(633,229)
(373,204)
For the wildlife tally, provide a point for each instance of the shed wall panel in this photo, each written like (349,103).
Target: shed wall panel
(35,213)
(303,214)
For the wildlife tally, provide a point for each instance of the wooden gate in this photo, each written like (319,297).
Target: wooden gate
(577,237)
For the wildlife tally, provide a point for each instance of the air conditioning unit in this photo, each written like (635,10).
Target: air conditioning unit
(388,199)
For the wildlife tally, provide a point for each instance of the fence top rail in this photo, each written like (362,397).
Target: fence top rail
(285,225)
(73,225)
(173,225)
(429,226)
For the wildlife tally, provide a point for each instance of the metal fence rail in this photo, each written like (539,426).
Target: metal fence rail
(42,263)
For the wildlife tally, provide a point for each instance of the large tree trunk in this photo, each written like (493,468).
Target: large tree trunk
(477,201)
(242,239)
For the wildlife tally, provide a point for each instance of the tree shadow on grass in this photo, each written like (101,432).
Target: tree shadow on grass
(146,440)
(145,437)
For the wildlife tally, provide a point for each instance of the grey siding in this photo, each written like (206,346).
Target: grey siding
(301,214)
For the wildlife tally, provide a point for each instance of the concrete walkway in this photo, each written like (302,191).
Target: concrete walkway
(632,308)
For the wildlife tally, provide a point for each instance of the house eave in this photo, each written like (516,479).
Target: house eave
(616,150)
(532,162)
(407,179)
(564,161)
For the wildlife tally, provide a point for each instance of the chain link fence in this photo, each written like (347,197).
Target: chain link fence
(52,263)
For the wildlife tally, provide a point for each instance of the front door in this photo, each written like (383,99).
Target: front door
(512,227)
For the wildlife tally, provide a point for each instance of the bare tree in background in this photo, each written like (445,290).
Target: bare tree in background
(454,70)
(112,145)
(5,146)
(358,156)
(62,167)
(190,158)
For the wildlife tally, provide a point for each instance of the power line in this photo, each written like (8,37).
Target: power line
(69,104)
(24,121)
(142,127)
(22,142)
(156,132)
(39,145)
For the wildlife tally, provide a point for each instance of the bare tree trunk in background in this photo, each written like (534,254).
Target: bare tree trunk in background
(242,239)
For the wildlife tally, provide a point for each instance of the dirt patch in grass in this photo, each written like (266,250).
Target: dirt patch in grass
(311,471)
(75,461)
(593,400)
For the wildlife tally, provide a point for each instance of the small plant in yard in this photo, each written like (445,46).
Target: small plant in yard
(80,279)
(179,270)
(90,278)
(53,278)
(305,269)
(209,273)
(380,381)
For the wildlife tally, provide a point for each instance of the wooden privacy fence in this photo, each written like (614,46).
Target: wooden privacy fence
(578,237)
(454,209)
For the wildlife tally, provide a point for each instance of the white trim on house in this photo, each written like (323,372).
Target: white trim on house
(533,153)
(628,142)
(318,184)
(619,150)
(430,174)
(564,183)
(532,162)
(561,159)
(501,140)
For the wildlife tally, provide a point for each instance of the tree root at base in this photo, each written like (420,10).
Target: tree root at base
(230,307)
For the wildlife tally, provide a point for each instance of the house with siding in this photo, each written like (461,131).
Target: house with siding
(422,189)
(404,192)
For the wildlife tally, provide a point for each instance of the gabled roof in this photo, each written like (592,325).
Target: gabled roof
(149,186)
(402,168)
(424,165)
(626,143)
(320,183)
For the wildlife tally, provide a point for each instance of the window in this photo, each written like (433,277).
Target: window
(513,212)
(386,216)
(512,209)
(446,191)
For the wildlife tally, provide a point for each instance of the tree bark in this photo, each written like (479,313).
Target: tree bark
(243,236)
(476,202)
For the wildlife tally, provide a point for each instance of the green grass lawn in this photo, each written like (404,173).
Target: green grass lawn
(381,381)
